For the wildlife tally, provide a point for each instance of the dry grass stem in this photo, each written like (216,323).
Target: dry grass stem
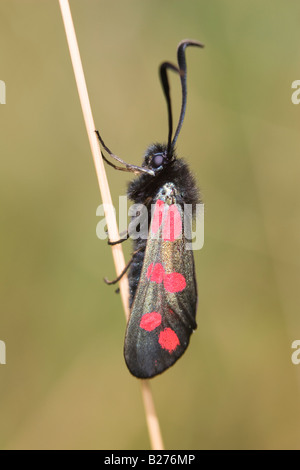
(118,256)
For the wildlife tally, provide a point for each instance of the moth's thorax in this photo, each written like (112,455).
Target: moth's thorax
(176,173)
(168,193)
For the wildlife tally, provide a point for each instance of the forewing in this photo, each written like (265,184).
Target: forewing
(164,308)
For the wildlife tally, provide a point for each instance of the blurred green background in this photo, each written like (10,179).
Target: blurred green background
(65,384)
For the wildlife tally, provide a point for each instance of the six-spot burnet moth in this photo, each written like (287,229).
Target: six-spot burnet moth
(163,291)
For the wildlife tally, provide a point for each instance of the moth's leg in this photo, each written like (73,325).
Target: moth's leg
(131,168)
(124,270)
(111,164)
(110,243)
(121,239)
(148,202)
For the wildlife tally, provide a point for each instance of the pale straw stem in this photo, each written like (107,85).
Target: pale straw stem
(118,256)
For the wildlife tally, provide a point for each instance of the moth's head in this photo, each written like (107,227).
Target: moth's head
(157,157)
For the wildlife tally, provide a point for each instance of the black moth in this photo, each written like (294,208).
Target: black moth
(163,291)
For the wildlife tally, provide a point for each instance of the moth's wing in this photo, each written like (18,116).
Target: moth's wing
(164,308)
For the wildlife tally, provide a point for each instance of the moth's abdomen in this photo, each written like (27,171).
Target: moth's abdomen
(136,267)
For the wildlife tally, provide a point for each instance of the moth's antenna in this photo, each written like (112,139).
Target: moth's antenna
(166,89)
(182,71)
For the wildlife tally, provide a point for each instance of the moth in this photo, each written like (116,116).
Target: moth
(162,281)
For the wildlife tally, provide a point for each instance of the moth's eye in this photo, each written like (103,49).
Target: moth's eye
(157,160)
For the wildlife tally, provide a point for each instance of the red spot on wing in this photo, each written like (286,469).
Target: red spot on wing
(157,215)
(174,282)
(168,340)
(157,274)
(149,270)
(173,224)
(150,321)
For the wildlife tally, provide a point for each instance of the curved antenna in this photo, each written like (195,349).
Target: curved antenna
(166,89)
(182,71)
